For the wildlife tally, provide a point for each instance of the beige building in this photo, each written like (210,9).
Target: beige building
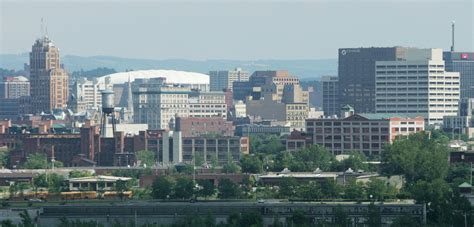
(220,80)
(49,81)
(294,114)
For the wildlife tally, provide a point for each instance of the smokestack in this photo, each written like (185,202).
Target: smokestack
(452,36)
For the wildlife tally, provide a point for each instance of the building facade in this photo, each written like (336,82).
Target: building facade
(356,72)
(158,104)
(201,126)
(220,149)
(417,83)
(462,62)
(14,87)
(85,94)
(330,90)
(220,80)
(361,132)
(48,79)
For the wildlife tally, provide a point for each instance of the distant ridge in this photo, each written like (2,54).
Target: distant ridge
(305,69)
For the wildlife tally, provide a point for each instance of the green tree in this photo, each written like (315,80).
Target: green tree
(309,191)
(354,190)
(36,161)
(330,189)
(7,223)
(251,164)
(310,158)
(272,145)
(146,158)
(4,157)
(231,167)
(356,161)
(288,187)
(56,183)
(208,189)
(121,187)
(78,173)
(13,189)
(376,188)
(22,186)
(26,220)
(417,157)
(184,188)
(228,189)
(162,187)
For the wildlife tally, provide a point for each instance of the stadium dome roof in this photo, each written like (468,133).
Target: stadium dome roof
(172,76)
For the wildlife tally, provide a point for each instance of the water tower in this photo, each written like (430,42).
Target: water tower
(107,111)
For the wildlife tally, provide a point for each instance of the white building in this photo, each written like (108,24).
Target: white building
(157,104)
(207,104)
(220,80)
(86,94)
(240,110)
(417,84)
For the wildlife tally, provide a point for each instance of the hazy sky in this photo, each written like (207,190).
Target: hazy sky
(233,29)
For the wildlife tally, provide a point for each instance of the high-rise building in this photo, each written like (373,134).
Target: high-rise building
(49,81)
(417,84)
(220,80)
(357,75)
(85,94)
(462,62)
(330,90)
(14,87)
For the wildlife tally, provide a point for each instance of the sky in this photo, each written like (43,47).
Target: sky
(234,30)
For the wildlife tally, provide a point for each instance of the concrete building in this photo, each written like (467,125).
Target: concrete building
(361,132)
(417,83)
(86,94)
(219,149)
(330,90)
(156,104)
(48,80)
(462,62)
(356,73)
(14,87)
(220,80)
(271,84)
(294,114)
(207,104)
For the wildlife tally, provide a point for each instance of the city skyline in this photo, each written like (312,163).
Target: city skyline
(234,30)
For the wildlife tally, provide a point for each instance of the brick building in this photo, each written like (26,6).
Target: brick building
(197,126)
(361,132)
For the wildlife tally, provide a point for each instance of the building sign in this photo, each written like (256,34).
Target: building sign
(464,56)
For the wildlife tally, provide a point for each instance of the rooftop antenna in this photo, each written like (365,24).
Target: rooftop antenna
(452,35)
(42,27)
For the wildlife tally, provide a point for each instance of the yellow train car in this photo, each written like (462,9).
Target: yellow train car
(78,195)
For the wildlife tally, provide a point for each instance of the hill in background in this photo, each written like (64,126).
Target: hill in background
(305,69)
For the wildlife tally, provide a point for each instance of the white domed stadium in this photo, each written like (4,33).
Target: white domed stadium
(172,77)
